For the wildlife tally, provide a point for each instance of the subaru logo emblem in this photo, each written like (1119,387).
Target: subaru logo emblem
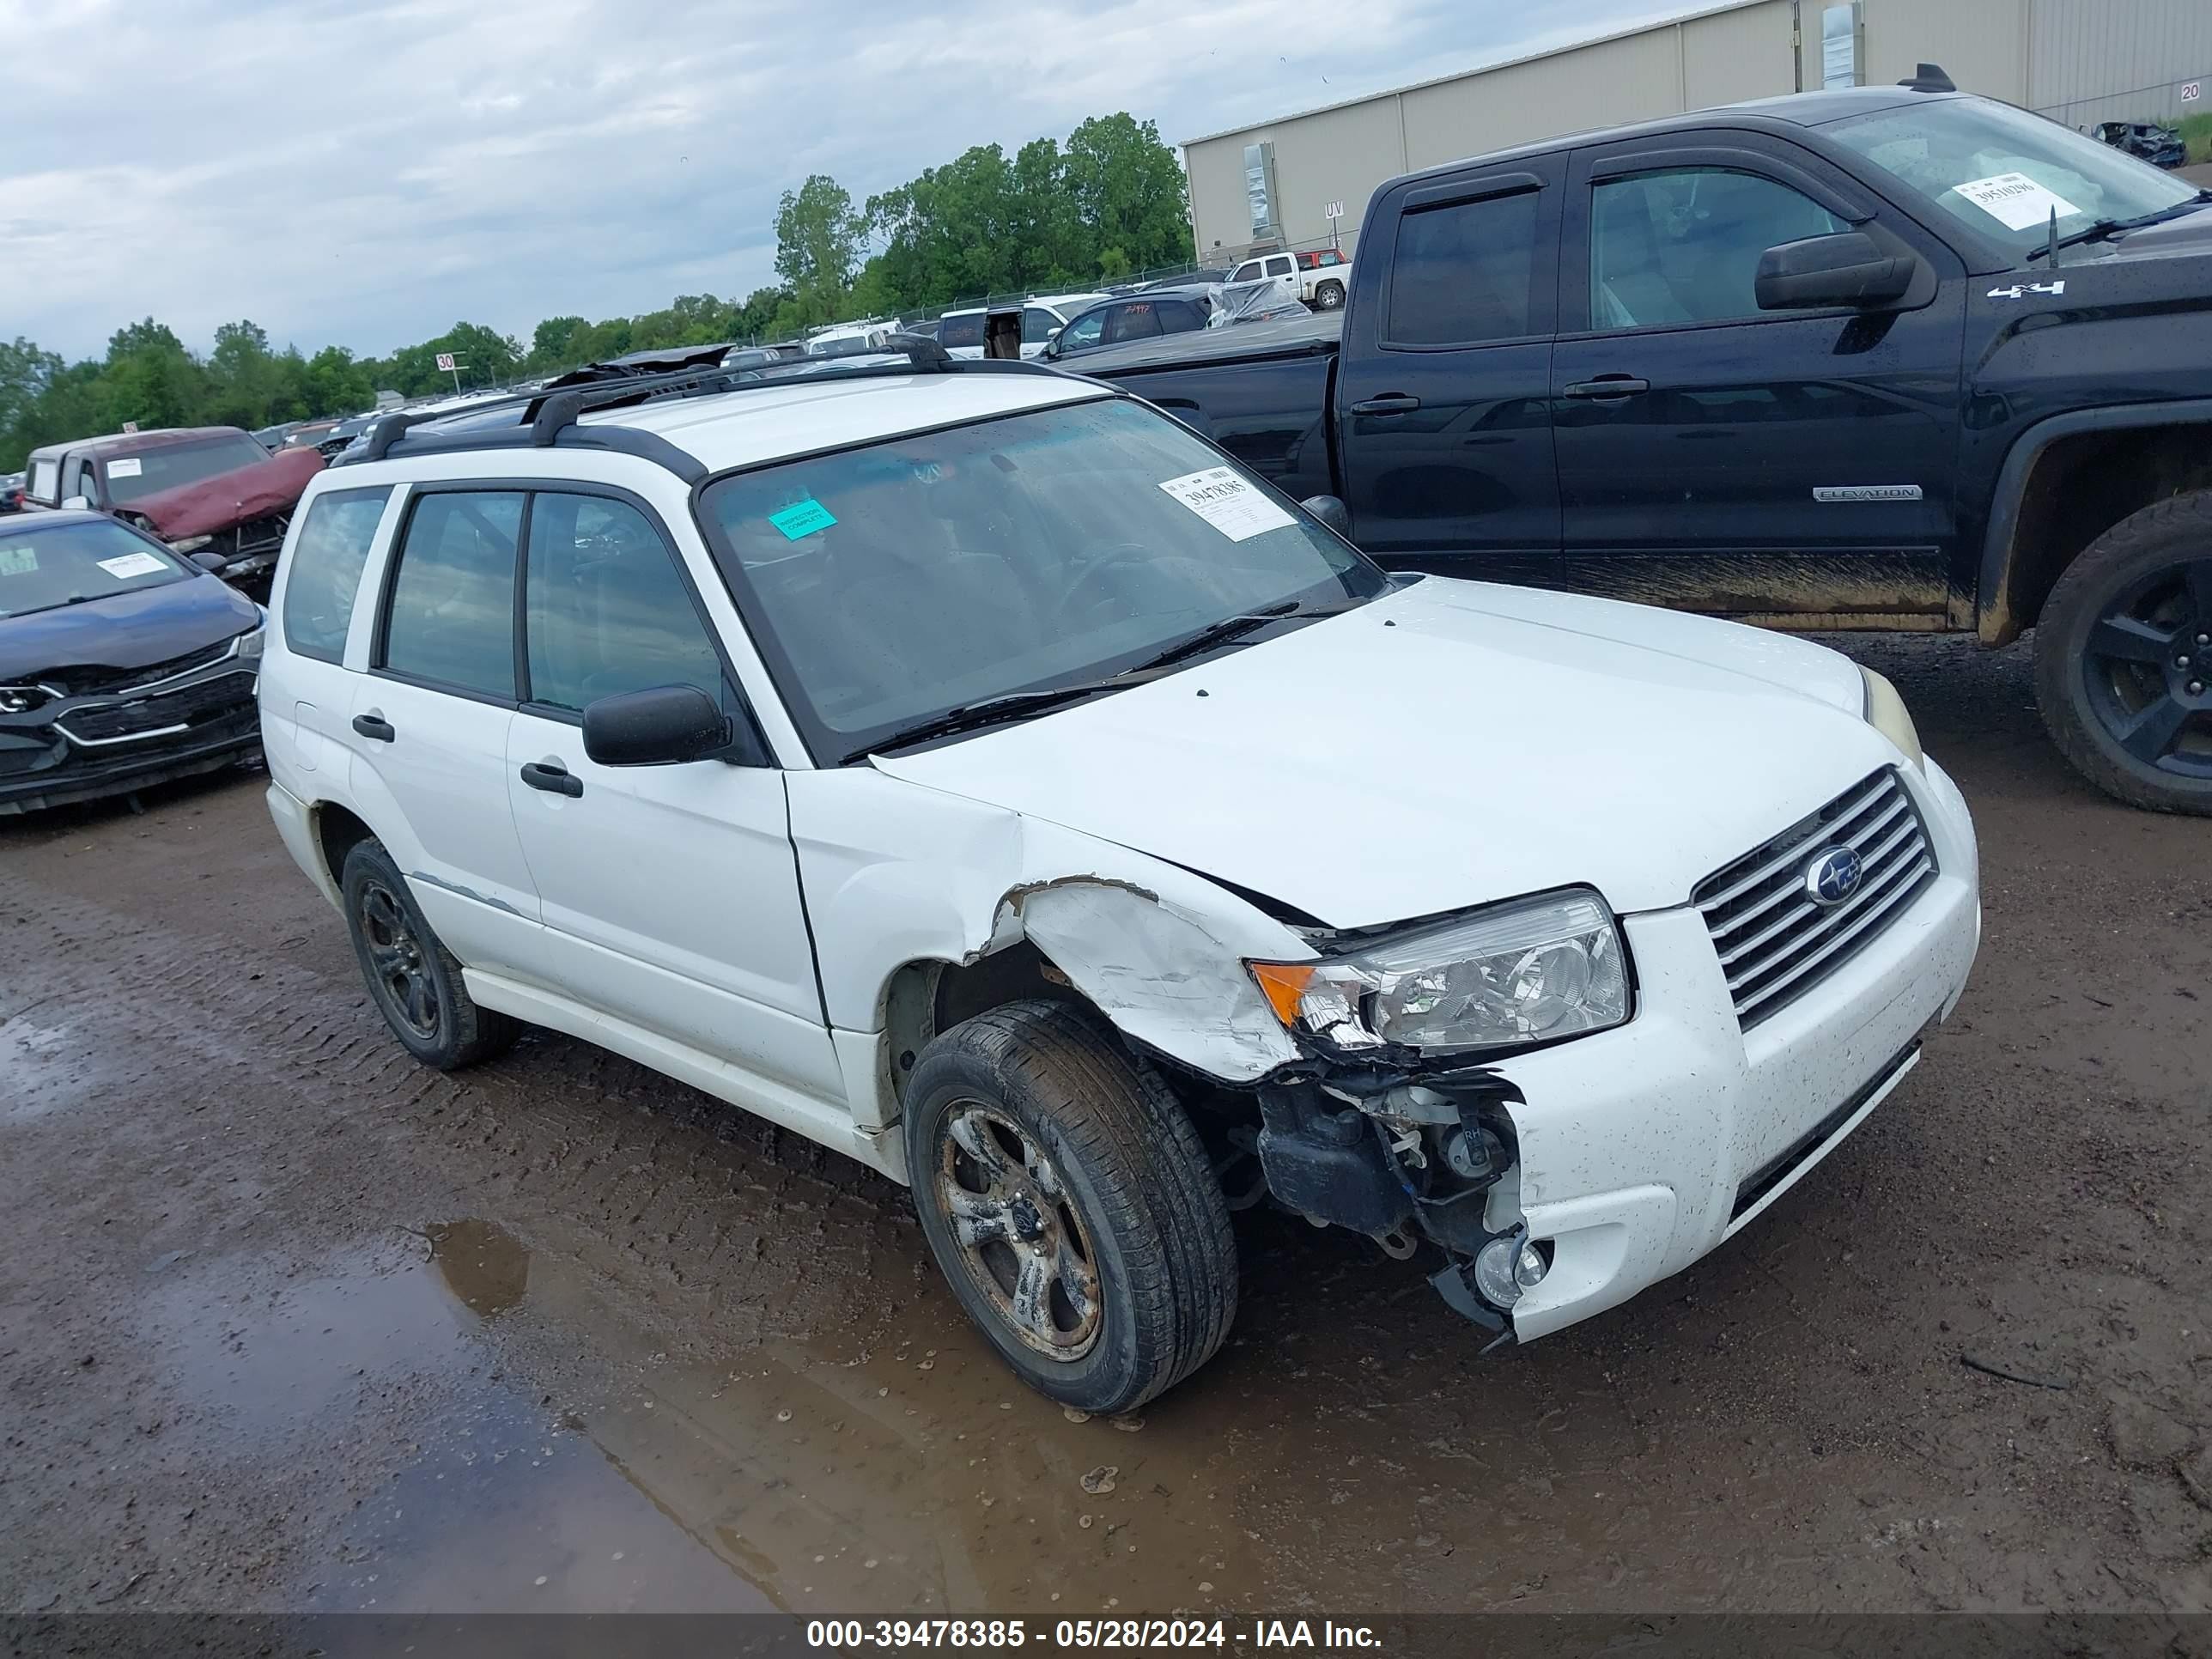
(1832,876)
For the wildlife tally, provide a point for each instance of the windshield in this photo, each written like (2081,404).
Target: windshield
(131,476)
(42,565)
(2002,172)
(890,584)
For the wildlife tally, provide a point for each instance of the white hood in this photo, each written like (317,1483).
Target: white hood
(1450,744)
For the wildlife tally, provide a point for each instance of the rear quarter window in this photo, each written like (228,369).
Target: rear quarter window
(963,331)
(323,576)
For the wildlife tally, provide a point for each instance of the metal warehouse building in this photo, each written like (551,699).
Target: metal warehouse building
(2078,61)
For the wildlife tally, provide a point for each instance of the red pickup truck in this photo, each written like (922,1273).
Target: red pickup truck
(211,493)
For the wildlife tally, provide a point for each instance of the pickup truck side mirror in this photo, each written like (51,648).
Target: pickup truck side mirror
(1846,268)
(76,501)
(1330,511)
(663,726)
(210,562)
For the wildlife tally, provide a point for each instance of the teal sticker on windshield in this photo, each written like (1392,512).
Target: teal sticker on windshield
(21,559)
(802,519)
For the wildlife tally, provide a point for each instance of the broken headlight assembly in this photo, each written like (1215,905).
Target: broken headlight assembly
(1508,976)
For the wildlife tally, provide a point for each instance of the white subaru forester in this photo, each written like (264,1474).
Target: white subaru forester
(976,771)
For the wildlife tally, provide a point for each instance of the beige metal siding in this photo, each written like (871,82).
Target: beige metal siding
(1600,86)
(2097,60)
(1981,44)
(1736,55)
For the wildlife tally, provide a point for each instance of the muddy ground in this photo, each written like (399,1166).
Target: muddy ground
(289,1323)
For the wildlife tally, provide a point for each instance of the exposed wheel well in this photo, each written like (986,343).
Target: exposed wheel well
(2081,487)
(925,998)
(337,832)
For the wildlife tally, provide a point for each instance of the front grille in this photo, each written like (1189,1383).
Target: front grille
(207,703)
(95,680)
(1775,942)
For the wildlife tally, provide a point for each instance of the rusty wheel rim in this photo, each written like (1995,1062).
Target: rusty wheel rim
(1019,1234)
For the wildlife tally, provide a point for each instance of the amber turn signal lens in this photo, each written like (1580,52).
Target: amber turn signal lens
(1283,983)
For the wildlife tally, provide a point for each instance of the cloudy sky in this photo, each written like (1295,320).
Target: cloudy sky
(366,172)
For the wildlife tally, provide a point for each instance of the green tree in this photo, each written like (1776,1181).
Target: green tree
(819,236)
(552,347)
(1126,193)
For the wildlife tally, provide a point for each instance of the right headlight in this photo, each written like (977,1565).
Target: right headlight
(1886,712)
(1531,970)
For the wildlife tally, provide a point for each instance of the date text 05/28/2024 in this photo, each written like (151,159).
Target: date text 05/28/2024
(854,1635)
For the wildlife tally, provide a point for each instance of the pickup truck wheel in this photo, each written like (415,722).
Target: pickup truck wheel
(2124,658)
(413,979)
(1070,1205)
(1328,296)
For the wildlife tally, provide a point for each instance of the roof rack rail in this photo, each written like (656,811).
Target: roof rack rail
(552,416)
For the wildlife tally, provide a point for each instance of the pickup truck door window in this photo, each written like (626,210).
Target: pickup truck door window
(428,723)
(669,893)
(1444,387)
(1717,456)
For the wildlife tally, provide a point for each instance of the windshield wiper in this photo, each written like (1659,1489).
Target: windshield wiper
(974,716)
(2099,230)
(1019,705)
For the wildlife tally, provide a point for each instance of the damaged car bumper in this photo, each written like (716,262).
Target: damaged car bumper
(1616,1159)
(68,748)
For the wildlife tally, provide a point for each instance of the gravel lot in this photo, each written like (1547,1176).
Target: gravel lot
(287,1322)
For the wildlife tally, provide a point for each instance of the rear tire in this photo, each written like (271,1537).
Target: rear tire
(2124,659)
(1070,1205)
(413,979)
(1329,296)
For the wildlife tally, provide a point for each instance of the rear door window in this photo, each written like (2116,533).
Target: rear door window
(451,618)
(1461,274)
(1140,320)
(323,570)
(966,329)
(1282,266)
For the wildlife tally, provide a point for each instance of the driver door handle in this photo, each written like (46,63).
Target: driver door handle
(1606,386)
(374,724)
(1391,403)
(553,778)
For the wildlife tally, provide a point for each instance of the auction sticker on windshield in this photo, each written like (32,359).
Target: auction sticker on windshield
(132,564)
(1227,502)
(128,468)
(20,560)
(802,519)
(2015,200)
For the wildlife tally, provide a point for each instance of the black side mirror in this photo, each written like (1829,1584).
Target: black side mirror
(210,562)
(1331,512)
(1847,268)
(660,726)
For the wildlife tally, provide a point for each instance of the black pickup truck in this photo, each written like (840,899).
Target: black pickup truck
(1874,358)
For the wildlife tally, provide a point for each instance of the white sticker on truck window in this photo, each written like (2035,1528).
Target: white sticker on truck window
(21,559)
(124,469)
(2015,200)
(1227,502)
(132,564)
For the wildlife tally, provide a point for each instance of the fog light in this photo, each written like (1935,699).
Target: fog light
(1506,1266)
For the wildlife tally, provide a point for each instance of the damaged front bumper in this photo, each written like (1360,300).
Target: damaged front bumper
(82,747)
(1624,1156)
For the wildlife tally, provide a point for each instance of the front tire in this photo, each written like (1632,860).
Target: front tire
(414,980)
(2124,659)
(1069,1206)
